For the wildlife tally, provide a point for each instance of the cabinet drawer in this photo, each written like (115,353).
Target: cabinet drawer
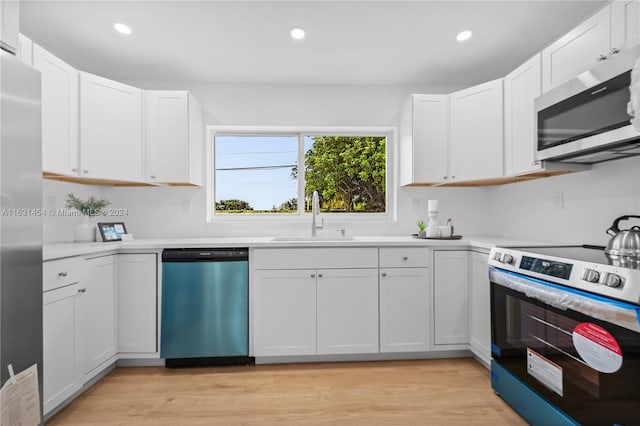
(58,273)
(315,258)
(404,257)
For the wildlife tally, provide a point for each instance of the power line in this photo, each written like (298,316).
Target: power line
(285,166)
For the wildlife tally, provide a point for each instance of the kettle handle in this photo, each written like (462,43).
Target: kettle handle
(614,228)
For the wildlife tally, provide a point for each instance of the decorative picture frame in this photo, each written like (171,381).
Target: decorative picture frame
(112,231)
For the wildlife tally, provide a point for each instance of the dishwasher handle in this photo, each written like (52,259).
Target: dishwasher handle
(205,255)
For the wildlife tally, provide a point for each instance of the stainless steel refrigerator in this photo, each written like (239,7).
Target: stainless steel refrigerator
(20,218)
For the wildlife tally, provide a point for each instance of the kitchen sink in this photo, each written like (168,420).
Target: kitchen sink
(311,239)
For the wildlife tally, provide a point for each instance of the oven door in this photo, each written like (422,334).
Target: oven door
(579,352)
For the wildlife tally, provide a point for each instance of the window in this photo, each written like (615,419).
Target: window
(276,174)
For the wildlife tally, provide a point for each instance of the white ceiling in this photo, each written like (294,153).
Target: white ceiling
(349,42)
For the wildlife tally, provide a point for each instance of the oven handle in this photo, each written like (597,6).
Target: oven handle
(620,313)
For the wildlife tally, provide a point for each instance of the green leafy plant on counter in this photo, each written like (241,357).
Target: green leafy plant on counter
(421,225)
(92,206)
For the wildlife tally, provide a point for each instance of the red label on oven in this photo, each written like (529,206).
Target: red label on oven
(597,347)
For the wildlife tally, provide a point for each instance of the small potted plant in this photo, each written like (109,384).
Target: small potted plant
(85,231)
(421,229)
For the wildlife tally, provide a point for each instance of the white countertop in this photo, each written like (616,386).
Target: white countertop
(60,250)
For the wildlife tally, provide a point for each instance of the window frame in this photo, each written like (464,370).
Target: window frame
(301,132)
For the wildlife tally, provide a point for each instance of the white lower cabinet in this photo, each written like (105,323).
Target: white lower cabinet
(62,350)
(284,312)
(347,311)
(303,306)
(137,303)
(98,313)
(404,309)
(450,299)
(480,307)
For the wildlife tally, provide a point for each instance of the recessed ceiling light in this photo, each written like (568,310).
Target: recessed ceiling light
(122,28)
(297,33)
(464,35)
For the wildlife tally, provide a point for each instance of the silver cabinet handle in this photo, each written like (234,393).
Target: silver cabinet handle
(384,274)
(82,290)
(614,51)
(405,257)
(601,58)
(153,176)
(445,177)
(313,275)
(62,274)
(319,275)
(74,170)
(85,171)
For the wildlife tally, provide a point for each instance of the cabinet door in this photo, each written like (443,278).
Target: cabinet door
(476,132)
(347,311)
(451,297)
(9,24)
(480,305)
(167,136)
(424,140)
(25,47)
(110,129)
(99,312)
(137,303)
(61,345)
(59,113)
(578,50)
(284,317)
(404,309)
(625,23)
(521,87)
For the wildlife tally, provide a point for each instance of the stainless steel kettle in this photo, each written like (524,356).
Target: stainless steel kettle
(624,242)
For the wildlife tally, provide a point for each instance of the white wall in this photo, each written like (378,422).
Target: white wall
(592,200)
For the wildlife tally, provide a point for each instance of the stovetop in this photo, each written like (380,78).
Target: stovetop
(586,268)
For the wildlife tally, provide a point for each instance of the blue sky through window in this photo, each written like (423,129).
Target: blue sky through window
(256,169)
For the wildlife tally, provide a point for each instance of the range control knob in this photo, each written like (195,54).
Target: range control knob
(590,275)
(612,280)
(506,258)
(496,256)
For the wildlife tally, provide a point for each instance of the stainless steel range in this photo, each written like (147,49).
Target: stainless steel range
(565,332)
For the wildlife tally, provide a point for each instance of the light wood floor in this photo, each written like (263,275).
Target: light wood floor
(425,392)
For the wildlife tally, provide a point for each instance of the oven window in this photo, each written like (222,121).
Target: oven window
(537,343)
(596,110)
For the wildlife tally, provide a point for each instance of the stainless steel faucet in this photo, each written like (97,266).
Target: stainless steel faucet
(315,211)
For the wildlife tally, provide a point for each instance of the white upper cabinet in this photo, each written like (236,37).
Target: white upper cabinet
(625,23)
(110,129)
(59,113)
(174,137)
(615,27)
(476,142)
(424,139)
(9,25)
(521,87)
(578,50)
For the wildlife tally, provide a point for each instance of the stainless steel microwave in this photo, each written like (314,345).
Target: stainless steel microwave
(585,120)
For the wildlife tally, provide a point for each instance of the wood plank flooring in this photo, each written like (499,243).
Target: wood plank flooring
(424,392)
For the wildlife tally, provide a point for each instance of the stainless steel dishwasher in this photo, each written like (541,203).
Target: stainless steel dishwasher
(205,307)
